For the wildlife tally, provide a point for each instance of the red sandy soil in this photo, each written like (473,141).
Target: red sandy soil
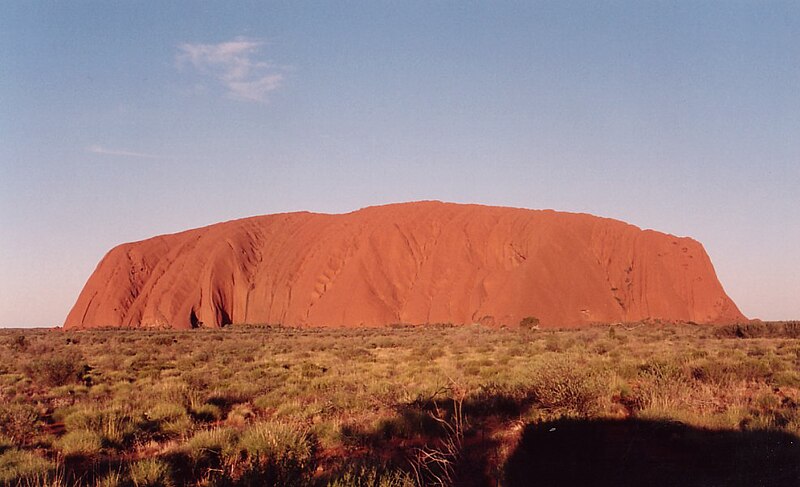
(421,262)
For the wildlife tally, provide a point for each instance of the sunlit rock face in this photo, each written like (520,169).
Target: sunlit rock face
(422,262)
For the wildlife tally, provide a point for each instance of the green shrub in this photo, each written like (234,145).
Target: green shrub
(169,419)
(162,412)
(555,343)
(210,443)
(560,383)
(754,368)
(275,454)
(58,369)
(661,371)
(267,401)
(151,472)
(82,443)
(529,323)
(18,343)
(791,329)
(204,454)
(21,466)
(115,426)
(176,427)
(19,421)
(239,415)
(712,372)
(760,329)
(787,378)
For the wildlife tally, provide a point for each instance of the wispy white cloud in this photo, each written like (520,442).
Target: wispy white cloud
(97,149)
(236,66)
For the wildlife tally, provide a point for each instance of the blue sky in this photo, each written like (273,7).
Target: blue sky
(123,120)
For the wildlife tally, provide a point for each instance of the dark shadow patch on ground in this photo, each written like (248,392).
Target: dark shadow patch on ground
(580,452)
(481,415)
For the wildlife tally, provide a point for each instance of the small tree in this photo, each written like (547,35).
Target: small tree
(19,343)
(529,323)
(58,369)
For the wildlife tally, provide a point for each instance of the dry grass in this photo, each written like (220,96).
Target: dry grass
(278,406)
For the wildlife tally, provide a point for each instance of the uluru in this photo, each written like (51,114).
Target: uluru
(416,263)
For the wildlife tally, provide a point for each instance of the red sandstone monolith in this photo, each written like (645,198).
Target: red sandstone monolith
(422,262)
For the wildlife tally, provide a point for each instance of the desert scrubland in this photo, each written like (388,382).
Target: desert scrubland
(626,404)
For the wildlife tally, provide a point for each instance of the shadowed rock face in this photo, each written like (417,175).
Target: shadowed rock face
(422,262)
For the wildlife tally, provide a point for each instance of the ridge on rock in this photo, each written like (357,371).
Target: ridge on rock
(421,262)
